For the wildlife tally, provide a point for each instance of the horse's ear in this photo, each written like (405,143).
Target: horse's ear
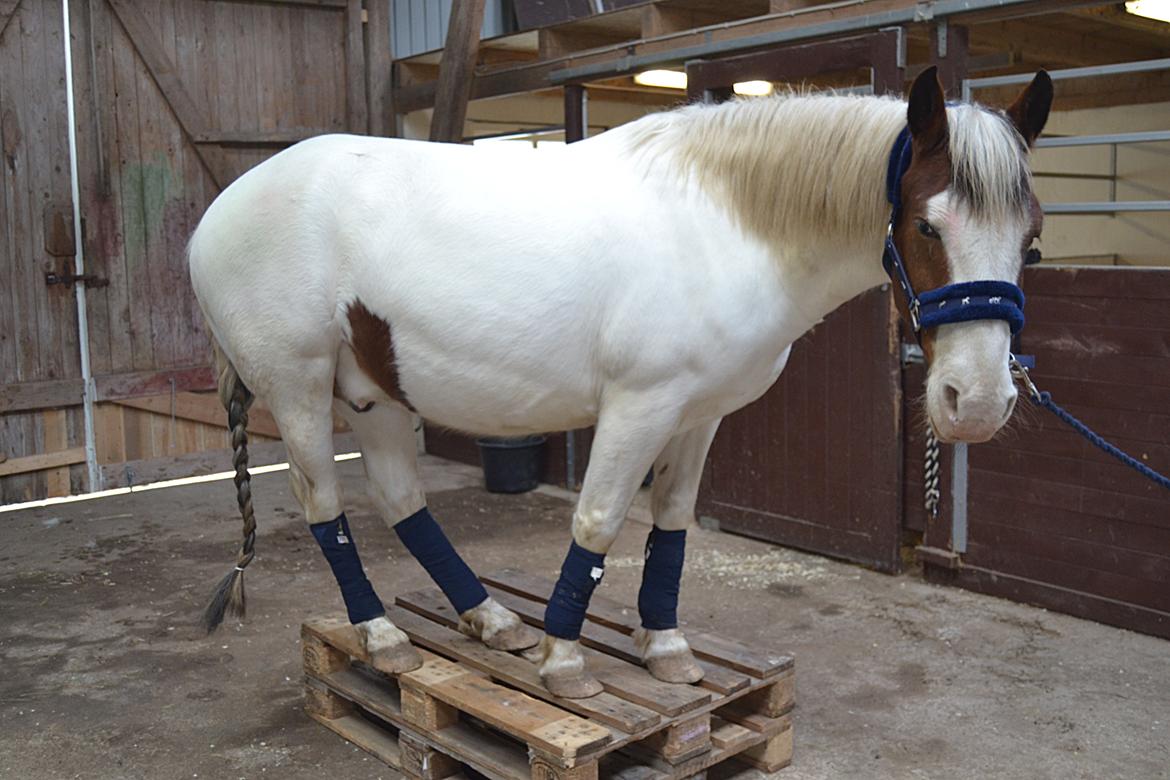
(1030,111)
(927,112)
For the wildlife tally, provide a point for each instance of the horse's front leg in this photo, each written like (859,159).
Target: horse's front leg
(677,473)
(630,433)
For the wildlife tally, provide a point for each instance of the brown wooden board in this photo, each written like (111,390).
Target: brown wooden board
(607,612)
(1051,519)
(622,679)
(816,462)
(619,644)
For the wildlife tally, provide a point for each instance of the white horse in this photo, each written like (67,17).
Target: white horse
(647,282)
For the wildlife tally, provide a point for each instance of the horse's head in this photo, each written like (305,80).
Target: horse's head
(968,214)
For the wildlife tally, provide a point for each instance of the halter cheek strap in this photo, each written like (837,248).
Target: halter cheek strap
(961,302)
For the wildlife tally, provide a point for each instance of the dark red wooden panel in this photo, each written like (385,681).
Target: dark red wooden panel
(816,463)
(1052,520)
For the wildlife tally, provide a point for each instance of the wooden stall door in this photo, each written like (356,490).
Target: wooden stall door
(816,463)
(39,448)
(173,101)
(1051,519)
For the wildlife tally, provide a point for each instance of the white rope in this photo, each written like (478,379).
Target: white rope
(930,473)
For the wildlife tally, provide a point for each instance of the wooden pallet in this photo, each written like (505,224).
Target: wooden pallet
(470,707)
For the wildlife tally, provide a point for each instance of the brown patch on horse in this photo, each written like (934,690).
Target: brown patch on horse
(373,346)
(925,258)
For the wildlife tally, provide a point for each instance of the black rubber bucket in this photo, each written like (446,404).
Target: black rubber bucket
(511,465)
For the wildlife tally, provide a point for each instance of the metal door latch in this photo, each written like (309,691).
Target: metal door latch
(89,280)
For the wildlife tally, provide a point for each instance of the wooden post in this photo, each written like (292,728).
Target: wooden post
(456,70)
(576,113)
(379,62)
(357,118)
(422,761)
(948,50)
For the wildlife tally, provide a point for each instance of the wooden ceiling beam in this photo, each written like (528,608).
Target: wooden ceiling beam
(456,70)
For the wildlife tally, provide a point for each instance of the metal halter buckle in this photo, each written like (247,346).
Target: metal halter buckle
(1020,371)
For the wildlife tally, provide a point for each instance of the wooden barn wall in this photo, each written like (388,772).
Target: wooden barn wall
(38,323)
(1052,520)
(816,462)
(174,99)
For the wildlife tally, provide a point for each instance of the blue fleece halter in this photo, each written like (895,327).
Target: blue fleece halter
(961,302)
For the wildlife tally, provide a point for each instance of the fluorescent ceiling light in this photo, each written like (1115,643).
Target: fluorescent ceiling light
(753,88)
(667,79)
(1151,9)
(673,79)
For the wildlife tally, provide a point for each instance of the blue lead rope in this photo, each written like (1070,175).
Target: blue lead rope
(1044,399)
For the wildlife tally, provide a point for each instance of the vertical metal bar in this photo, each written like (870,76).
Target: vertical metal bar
(1113,173)
(959,498)
(576,113)
(94,473)
(576,129)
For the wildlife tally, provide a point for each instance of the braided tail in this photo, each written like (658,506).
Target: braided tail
(229,593)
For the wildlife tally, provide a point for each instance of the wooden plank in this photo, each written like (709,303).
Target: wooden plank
(535,722)
(613,614)
(30,396)
(163,71)
(620,645)
(773,754)
(482,751)
(730,736)
(420,760)
(322,703)
(624,680)
(139,383)
(678,742)
(538,724)
(506,668)
(356,105)
(456,71)
(379,62)
(204,408)
(358,731)
(45,460)
(143,470)
(56,440)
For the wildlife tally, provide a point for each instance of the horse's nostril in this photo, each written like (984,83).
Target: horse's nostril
(951,400)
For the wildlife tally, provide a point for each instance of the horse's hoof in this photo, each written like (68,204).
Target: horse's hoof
(497,627)
(513,638)
(572,686)
(396,659)
(680,668)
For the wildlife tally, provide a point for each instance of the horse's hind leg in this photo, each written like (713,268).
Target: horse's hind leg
(386,435)
(302,407)
(677,473)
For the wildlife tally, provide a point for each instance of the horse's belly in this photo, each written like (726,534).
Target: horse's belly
(494,402)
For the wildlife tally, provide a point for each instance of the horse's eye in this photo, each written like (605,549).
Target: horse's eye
(927,229)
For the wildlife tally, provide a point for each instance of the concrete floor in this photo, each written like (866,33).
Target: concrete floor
(106,676)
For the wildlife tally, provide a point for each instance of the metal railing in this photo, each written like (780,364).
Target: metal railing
(1112,140)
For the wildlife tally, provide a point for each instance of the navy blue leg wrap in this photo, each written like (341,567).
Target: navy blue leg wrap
(427,543)
(580,573)
(658,596)
(361,602)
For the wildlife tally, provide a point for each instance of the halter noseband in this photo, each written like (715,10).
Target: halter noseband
(961,302)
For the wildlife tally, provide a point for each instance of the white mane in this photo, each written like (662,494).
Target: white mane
(795,167)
